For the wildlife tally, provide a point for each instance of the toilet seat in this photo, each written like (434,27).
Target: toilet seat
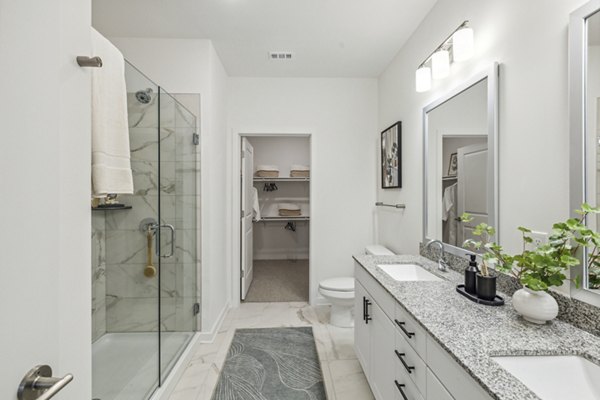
(343,284)
(336,294)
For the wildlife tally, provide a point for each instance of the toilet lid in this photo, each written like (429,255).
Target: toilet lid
(344,284)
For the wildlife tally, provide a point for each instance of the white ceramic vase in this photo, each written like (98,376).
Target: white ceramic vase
(535,306)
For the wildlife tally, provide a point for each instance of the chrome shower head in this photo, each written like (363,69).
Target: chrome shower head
(144,96)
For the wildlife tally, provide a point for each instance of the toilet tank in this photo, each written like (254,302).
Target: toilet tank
(378,250)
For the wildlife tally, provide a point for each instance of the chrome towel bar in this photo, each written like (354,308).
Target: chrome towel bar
(381,204)
(85,61)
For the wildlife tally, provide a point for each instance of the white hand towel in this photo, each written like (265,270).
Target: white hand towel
(267,168)
(288,206)
(111,167)
(297,167)
(255,205)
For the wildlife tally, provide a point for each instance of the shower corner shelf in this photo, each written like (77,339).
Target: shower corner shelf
(108,208)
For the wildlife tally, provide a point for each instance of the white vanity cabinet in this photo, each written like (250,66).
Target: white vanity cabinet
(400,359)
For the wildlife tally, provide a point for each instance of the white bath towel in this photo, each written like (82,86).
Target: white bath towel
(267,168)
(296,167)
(111,167)
(255,205)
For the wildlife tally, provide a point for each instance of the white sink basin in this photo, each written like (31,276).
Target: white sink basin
(408,272)
(555,377)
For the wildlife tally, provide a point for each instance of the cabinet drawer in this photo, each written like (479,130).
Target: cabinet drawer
(414,363)
(451,375)
(435,390)
(407,390)
(379,294)
(411,330)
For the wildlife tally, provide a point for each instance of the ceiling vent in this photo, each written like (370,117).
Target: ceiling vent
(280,55)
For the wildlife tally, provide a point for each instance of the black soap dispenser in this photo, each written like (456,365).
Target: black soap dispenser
(471,275)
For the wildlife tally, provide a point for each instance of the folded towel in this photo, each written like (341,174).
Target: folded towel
(288,207)
(255,205)
(111,168)
(296,167)
(267,168)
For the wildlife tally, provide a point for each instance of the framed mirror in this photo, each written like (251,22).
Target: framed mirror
(584,107)
(460,161)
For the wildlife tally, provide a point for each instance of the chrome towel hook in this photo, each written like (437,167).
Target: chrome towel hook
(85,61)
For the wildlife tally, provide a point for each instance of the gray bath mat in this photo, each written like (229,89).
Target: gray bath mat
(271,364)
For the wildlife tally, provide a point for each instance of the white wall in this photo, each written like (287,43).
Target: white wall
(529,40)
(193,66)
(341,116)
(45,164)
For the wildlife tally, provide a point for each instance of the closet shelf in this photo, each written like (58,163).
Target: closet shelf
(277,218)
(108,208)
(449,178)
(281,179)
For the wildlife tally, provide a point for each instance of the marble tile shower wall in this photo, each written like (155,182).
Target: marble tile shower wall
(131,303)
(98,275)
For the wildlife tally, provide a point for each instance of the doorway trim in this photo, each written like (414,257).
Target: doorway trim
(236,207)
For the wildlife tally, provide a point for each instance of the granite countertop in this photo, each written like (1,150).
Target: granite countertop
(472,333)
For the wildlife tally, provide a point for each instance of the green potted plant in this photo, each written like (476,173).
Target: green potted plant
(539,268)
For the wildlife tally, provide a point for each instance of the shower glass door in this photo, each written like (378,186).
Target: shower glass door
(178,233)
(145,258)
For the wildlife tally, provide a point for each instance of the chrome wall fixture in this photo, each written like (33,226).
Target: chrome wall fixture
(382,204)
(457,47)
(85,61)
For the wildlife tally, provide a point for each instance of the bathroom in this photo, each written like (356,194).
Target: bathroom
(341,87)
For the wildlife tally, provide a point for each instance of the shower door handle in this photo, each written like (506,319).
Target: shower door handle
(172,229)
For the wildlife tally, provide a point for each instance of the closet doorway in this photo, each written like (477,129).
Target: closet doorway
(275,218)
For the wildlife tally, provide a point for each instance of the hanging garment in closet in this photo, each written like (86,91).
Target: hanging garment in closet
(255,205)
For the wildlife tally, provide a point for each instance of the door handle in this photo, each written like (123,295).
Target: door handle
(38,384)
(172,229)
(367,316)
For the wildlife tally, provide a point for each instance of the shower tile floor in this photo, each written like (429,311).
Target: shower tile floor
(344,378)
(125,365)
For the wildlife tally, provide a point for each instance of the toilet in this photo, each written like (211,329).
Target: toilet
(340,292)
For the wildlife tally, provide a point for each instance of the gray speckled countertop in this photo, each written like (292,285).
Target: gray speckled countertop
(472,333)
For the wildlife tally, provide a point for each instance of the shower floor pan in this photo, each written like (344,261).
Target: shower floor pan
(125,365)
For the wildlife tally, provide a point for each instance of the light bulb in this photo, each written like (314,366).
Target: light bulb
(423,79)
(440,64)
(462,44)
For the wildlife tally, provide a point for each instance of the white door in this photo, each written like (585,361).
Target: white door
(472,187)
(45,257)
(247,201)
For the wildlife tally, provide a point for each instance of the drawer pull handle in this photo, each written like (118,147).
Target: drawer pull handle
(401,356)
(400,386)
(401,325)
(367,316)
(364,308)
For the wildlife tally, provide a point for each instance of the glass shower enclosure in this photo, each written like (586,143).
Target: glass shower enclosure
(145,258)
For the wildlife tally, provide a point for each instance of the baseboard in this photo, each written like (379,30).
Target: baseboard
(210,335)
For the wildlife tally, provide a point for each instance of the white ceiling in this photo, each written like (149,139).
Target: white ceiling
(329,38)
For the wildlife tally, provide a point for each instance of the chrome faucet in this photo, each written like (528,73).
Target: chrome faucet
(442,264)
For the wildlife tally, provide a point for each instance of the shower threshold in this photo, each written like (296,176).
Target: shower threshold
(125,365)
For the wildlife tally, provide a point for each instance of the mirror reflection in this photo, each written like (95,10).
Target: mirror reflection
(592,129)
(458,162)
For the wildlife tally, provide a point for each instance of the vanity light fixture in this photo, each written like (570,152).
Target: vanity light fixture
(440,64)
(423,79)
(457,47)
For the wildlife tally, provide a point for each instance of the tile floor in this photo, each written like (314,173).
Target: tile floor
(344,379)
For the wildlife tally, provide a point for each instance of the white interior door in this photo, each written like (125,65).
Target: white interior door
(45,158)
(247,199)
(472,187)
